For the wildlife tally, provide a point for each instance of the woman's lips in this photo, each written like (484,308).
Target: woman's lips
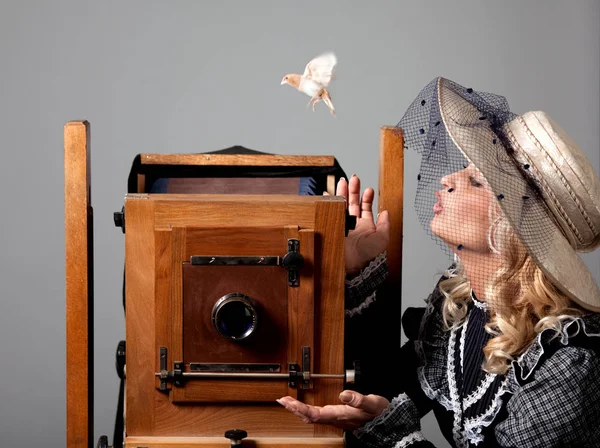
(437,207)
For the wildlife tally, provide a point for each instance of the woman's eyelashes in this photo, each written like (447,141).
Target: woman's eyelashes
(474,182)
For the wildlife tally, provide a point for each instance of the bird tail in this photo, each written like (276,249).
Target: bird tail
(327,100)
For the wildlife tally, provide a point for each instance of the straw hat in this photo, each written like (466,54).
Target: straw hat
(544,183)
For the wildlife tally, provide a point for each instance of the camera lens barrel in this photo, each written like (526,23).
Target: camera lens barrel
(235,316)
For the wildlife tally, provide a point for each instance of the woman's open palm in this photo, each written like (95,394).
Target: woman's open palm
(357,410)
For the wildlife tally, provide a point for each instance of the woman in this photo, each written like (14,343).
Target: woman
(508,348)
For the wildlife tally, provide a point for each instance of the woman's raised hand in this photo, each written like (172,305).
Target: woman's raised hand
(368,239)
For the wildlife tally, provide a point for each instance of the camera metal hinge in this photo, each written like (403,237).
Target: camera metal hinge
(178,373)
(305,368)
(293,262)
(293,374)
(301,377)
(163,368)
(169,376)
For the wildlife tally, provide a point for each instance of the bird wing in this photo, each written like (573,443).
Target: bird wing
(320,69)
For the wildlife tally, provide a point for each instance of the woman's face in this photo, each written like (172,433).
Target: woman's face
(461,214)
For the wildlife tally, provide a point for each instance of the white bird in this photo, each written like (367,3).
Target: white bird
(316,77)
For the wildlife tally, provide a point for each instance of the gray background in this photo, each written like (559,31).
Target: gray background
(192,76)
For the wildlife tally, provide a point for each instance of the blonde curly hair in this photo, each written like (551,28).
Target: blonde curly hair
(521,299)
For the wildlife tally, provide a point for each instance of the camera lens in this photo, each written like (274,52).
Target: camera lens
(234,316)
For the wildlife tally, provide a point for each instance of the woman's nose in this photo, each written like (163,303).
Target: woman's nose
(448,183)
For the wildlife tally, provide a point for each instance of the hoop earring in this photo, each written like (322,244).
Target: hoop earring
(491,233)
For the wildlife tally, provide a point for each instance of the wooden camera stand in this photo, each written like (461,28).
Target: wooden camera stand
(234,293)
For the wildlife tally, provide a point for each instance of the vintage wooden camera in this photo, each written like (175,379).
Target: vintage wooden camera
(233,291)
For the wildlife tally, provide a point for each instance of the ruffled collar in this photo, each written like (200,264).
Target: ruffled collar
(478,303)
(582,328)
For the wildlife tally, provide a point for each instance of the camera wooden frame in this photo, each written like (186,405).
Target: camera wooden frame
(163,232)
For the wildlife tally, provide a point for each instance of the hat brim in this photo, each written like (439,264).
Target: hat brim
(555,257)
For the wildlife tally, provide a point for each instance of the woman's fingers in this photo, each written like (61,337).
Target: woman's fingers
(354,196)
(343,414)
(383,223)
(366,205)
(357,206)
(372,404)
(341,188)
(310,414)
(356,410)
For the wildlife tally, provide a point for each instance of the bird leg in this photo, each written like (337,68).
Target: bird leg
(327,100)
(314,100)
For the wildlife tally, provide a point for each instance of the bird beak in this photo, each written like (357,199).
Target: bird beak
(283,81)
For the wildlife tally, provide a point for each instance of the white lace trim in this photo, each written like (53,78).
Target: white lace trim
(463,435)
(463,336)
(474,425)
(365,304)
(366,271)
(484,385)
(436,395)
(564,339)
(387,413)
(457,434)
(416,436)
(479,304)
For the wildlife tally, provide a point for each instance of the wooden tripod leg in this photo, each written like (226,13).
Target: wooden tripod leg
(79,285)
(391,198)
